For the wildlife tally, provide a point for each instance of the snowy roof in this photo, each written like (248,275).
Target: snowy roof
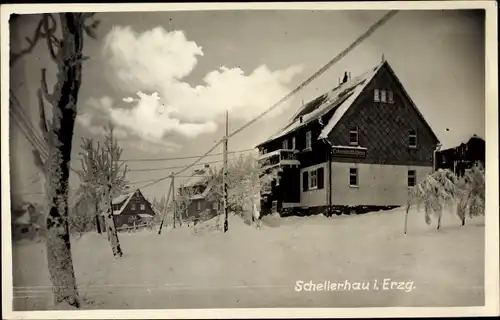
(205,192)
(145,215)
(124,199)
(339,99)
(23,219)
(119,199)
(449,145)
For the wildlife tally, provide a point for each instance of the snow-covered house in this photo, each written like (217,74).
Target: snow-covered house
(357,147)
(131,207)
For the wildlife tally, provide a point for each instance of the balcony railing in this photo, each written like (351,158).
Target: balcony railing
(279,157)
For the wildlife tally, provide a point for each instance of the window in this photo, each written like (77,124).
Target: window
(313,179)
(132,206)
(143,207)
(383,96)
(305,181)
(412,139)
(376,95)
(308,139)
(412,178)
(198,205)
(284,144)
(215,205)
(391,96)
(353,177)
(293,143)
(353,136)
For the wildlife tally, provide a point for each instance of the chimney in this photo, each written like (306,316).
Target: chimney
(349,75)
(345,77)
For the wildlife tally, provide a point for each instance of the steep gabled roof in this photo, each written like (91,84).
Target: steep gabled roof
(201,181)
(124,199)
(338,99)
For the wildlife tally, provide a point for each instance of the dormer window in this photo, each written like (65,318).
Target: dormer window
(353,136)
(284,144)
(383,96)
(412,139)
(376,95)
(390,96)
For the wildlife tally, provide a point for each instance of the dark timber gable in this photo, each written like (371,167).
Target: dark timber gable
(384,128)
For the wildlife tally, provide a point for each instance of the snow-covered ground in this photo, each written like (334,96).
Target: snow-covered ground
(249,267)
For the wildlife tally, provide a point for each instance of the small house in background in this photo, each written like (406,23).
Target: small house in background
(24,222)
(131,208)
(462,157)
(198,199)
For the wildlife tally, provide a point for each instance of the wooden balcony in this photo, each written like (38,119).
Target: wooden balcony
(280,157)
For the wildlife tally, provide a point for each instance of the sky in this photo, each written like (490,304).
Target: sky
(166,79)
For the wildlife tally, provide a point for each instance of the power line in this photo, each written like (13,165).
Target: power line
(183,158)
(20,119)
(322,70)
(24,118)
(186,168)
(149,180)
(168,168)
(25,130)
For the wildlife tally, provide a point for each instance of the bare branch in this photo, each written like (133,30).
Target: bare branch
(31,44)
(44,87)
(49,34)
(39,163)
(43,120)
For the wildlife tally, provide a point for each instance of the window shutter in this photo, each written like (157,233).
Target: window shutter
(305,181)
(321,176)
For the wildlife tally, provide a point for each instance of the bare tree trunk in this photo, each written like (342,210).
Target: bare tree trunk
(97,220)
(110,225)
(439,220)
(60,137)
(408,205)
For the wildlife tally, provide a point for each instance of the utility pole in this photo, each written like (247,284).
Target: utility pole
(224,176)
(176,212)
(165,208)
(172,187)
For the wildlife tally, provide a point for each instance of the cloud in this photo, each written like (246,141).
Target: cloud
(157,61)
(128,122)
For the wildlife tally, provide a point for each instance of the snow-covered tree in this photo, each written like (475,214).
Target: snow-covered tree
(103,176)
(471,193)
(247,177)
(436,192)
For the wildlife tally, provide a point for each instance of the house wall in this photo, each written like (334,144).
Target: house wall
(316,197)
(383,128)
(134,206)
(289,185)
(193,211)
(378,185)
